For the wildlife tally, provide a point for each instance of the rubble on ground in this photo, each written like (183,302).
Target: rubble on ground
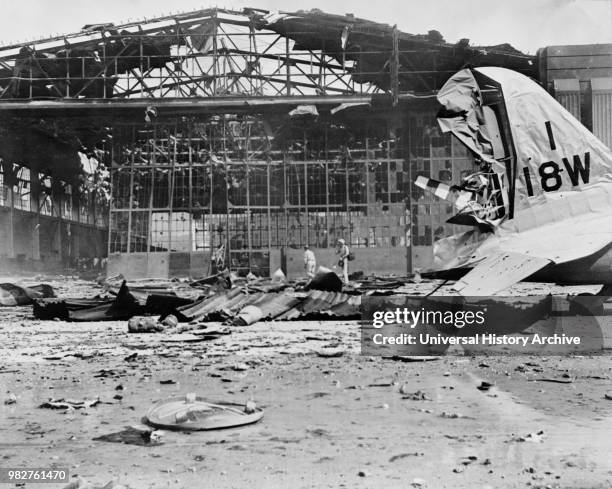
(18,295)
(291,369)
(223,297)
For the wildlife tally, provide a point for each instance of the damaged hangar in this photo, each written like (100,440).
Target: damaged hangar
(238,136)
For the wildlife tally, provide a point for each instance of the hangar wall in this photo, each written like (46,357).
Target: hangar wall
(45,229)
(253,190)
(580,78)
(209,173)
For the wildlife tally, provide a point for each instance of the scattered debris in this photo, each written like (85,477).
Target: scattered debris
(170,321)
(415,396)
(156,436)
(316,395)
(325,280)
(400,456)
(469,460)
(537,437)
(556,381)
(10,399)
(414,358)
(69,404)
(133,435)
(318,432)
(485,386)
(239,367)
(279,276)
(143,324)
(445,414)
(330,354)
(126,303)
(18,295)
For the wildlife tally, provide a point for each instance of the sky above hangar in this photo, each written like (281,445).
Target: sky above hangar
(526,24)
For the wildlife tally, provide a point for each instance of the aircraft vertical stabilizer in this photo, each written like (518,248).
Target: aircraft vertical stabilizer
(542,190)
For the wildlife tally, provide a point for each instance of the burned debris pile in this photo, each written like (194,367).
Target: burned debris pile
(17,295)
(155,305)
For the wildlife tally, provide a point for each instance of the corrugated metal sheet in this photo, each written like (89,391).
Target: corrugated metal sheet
(208,305)
(346,309)
(241,302)
(324,303)
(602,109)
(567,93)
(272,306)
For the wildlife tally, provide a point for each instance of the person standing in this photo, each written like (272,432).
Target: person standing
(310,262)
(343,250)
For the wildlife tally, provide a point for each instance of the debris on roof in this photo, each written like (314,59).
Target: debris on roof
(426,60)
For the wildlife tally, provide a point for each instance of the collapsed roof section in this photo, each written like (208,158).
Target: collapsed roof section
(215,52)
(425,61)
(65,94)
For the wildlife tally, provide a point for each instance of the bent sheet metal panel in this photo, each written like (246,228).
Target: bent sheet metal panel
(273,305)
(279,306)
(209,304)
(497,272)
(334,304)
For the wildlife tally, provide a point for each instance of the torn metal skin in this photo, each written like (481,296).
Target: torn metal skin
(540,203)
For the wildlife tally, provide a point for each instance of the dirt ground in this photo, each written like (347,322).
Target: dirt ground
(348,421)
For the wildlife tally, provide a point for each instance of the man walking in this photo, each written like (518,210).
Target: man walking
(343,250)
(310,262)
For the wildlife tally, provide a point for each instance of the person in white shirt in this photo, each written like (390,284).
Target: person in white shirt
(343,250)
(310,262)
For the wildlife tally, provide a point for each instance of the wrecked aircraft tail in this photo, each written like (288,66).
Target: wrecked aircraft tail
(541,196)
(528,148)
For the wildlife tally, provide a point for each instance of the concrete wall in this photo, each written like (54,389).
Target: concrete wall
(42,243)
(159,265)
(276,261)
(371,261)
(35,243)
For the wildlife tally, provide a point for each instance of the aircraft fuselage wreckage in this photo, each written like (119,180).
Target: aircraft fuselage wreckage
(540,200)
